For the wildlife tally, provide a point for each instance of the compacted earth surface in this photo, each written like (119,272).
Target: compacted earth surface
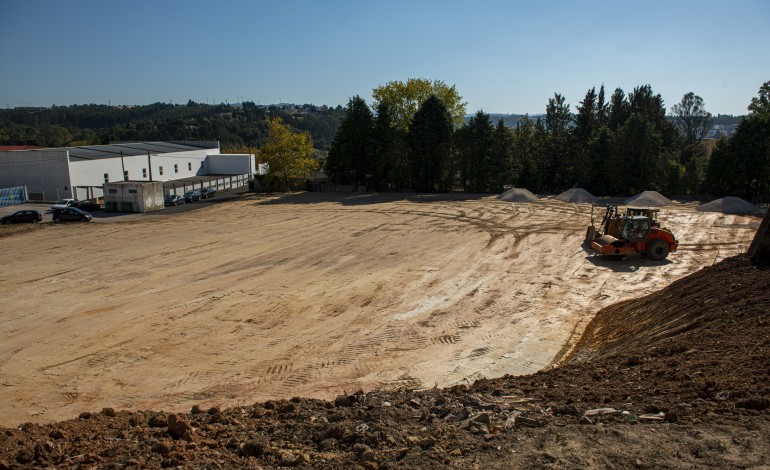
(264,333)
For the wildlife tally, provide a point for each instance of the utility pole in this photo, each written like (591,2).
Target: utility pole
(123,166)
(149,164)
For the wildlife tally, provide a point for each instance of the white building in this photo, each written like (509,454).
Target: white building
(79,172)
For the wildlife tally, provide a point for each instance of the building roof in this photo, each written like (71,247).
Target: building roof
(116,149)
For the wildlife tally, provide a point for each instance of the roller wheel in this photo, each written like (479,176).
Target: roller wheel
(657,250)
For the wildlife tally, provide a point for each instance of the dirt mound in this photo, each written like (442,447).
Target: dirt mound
(576,195)
(648,199)
(518,195)
(676,379)
(729,205)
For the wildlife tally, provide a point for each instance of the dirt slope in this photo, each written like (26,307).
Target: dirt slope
(676,387)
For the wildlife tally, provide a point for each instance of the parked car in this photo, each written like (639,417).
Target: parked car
(208,192)
(174,200)
(19,217)
(69,214)
(192,196)
(65,203)
(88,206)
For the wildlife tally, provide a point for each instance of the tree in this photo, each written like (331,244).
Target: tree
(350,155)
(392,169)
(761,104)
(289,155)
(691,118)
(618,110)
(475,143)
(404,99)
(503,169)
(429,140)
(556,174)
(693,122)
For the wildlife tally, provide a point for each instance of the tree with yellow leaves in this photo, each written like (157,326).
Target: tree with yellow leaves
(289,155)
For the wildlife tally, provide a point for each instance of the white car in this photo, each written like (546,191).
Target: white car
(64,203)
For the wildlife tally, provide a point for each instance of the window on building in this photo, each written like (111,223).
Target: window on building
(132,191)
(144,172)
(113,191)
(176,168)
(106,177)
(189,166)
(125,175)
(160,170)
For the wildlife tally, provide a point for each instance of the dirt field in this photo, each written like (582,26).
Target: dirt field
(310,295)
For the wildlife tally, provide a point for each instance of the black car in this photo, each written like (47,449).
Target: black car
(208,192)
(71,214)
(88,206)
(174,200)
(192,196)
(19,217)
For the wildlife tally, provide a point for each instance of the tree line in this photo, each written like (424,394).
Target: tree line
(611,145)
(236,128)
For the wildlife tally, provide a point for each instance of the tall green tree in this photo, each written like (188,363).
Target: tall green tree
(392,170)
(405,98)
(556,173)
(693,123)
(691,118)
(429,139)
(503,169)
(351,156)
(740,166)
(475,144)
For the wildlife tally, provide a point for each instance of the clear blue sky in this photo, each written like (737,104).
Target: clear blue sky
(503,56)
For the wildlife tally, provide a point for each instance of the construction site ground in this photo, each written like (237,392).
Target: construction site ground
(262,299)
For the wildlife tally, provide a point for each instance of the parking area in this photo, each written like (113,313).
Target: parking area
(101,216)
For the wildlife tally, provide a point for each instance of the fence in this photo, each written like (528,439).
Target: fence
(13,196)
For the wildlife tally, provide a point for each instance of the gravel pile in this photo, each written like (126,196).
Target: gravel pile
(518,195)
(577,195)
(729,205)
(649,199)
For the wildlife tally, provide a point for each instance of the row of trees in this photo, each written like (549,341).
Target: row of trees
(235,128)
(740,165)
(610,146)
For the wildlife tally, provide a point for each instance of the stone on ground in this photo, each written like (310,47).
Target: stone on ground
(576,195)
(518,195)
(729,205)
(648,199)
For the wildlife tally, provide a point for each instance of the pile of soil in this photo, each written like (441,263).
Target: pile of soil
(729,205)
(648,199)
(518,195)
(577,195)
(676,379)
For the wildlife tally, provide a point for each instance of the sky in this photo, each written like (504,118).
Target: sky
(502,56)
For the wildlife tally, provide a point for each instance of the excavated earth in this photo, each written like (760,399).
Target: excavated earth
(674,379)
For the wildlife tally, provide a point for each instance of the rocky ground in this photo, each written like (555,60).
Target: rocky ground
(677,379)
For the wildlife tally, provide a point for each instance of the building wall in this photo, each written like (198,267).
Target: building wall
(229,164)
(133,196)
(92,172)
(46,173)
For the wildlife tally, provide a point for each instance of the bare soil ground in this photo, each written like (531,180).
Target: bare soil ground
(676,379)
(311,295)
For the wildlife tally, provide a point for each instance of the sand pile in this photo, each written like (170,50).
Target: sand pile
(576,195)
(649,199)
(729,205)
(518,195)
